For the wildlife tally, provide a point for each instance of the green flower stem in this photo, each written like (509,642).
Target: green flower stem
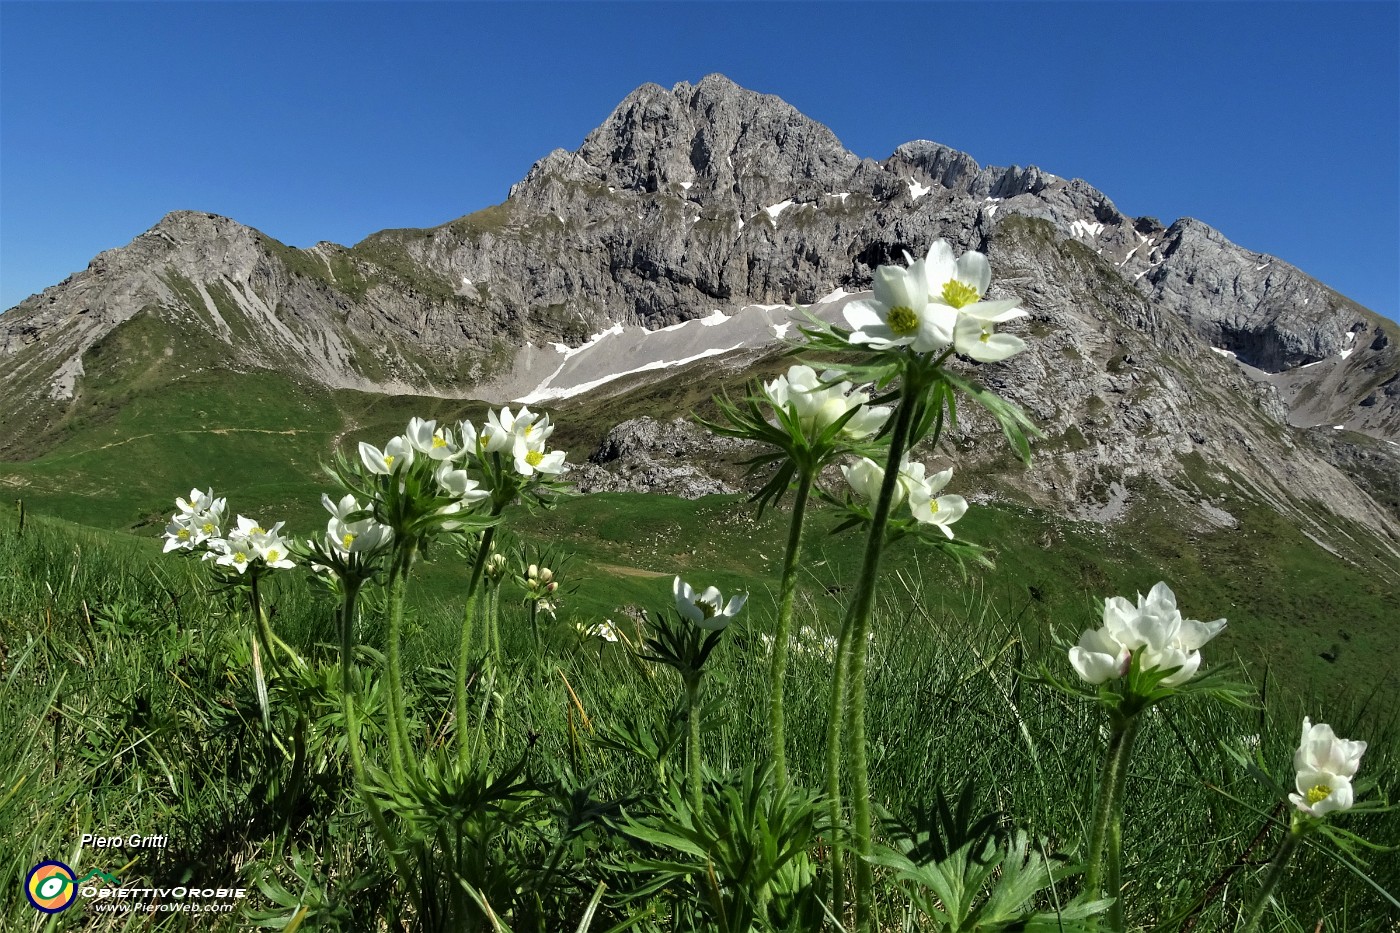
(400,748)
(858,625)
(263,627)
(493,615)
(834,723)
(352,734)
(692,746)
(266,635)
(1106,843)
(778,672)
(535,625)
(464,653)
(1277,867)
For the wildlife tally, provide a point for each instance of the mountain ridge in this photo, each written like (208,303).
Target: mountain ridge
(710,197)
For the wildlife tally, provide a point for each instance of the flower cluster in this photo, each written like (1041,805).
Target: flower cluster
(1154,630)
(819,402)
(810,642)
(604,630)
(539,585)
(934,304)
(1325,766)
(200,519)
(865,476)
(708,609)
(198,527)
(521,437)
(349,537)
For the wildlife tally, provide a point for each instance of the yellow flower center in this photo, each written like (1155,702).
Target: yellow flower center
(438,441)
(986,333)
(348,540)
(273,555)
(256,530)
(389,460)
(240,558)
(208,528)
(933,505)
(708,610)
(902,320)
(959,294)
(534,458)
(183,534)
(1318,793)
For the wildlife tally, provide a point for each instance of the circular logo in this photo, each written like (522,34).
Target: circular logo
(50,887)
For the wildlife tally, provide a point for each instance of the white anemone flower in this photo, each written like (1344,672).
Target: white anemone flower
(708,609)
(1098,658)
(427,438)
(1154,630)
(502,428)
(960,284)
(202,505)
(819,401)
(530,460)
(200,519)
(900,314)
(459,484)
(932,509)
(865,476)
(363,536)
(397,453)
(1325,766)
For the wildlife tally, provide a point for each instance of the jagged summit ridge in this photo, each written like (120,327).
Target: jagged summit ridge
(710,197)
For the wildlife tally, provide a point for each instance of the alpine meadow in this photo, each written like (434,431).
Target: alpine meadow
(724,533)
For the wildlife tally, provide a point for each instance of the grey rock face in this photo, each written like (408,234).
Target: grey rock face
(646,455)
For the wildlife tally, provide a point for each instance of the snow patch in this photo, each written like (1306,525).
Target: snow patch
(917,190)
(1346,353)
(773,210)
(1225,353)
(716,317)
(544,394)
(466,281)
(685,185)
(843,195)
(1263,267)
(991,210)
(1338,427)
(780,330)
(1351,335)
(1085,228)
(837,295)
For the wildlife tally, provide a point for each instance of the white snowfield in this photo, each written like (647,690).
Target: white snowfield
(557,371)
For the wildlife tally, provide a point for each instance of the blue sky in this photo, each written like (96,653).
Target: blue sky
(1277,123)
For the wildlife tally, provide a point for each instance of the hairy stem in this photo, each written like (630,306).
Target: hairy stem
(464,653)
(692,747)
(834,730)
(858,624)
(778,671)
(352,735)
(1277,867)
(400,747)
(1106,842)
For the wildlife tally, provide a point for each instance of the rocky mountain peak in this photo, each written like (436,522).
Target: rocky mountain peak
(714,143)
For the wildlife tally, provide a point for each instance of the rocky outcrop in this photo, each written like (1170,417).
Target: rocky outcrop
(675,457)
